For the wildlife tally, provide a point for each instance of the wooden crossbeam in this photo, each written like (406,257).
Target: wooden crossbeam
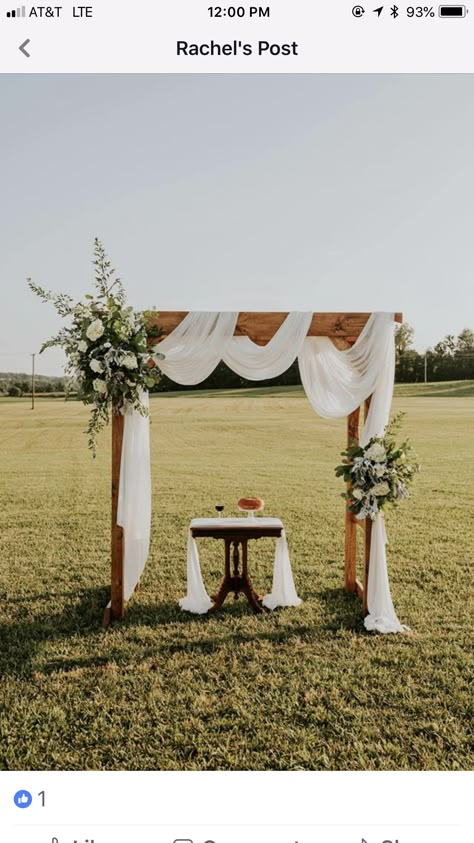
(261,327)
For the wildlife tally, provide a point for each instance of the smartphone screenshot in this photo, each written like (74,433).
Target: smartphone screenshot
(236,422)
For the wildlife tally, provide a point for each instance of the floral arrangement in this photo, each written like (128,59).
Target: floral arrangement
(379,474)
(105,345)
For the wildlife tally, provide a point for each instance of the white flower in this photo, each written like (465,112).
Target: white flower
(99,386)
(379,470)
(376,452)
(130,361)
(357,494)
(95,330)
(381,489)
(96,366)
(82,347)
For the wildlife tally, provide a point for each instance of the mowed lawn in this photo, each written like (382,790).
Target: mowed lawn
(301,688)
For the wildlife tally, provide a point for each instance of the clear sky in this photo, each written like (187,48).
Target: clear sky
(219,192)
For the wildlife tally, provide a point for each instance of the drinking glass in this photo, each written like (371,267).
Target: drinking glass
(220,509)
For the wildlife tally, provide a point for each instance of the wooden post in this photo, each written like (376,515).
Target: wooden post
(117,609)
(367,532)
(350,563)
(367,541)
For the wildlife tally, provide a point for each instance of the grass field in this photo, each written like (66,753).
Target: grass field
(302,688)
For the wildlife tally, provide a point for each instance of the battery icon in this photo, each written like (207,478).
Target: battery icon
(452,11)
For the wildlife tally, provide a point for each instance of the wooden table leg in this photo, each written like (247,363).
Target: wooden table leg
(238,582)
(236,578)
(247,587)
(226,584)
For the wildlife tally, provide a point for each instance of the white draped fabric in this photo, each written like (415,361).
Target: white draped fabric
(336,382)
(283,591)
(262,362)
(193,350)
(134,501)
(197,599)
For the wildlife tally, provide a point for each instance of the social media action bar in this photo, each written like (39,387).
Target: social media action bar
(235,834)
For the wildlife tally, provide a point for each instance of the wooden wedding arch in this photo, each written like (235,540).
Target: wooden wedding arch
(343,329)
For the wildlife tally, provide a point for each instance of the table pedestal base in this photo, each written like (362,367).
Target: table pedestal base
(236,582)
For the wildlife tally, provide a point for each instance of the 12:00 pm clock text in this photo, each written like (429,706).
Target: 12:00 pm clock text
(239,11)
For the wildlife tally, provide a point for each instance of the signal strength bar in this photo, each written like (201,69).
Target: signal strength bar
(17,13)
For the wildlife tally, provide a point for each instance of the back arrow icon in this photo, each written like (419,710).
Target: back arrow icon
(379,10)
(22,48)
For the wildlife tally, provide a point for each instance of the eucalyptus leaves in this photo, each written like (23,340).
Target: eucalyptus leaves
(105,345)
(379,474)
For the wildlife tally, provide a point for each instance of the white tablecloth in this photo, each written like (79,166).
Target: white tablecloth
(283,591)
(242,522)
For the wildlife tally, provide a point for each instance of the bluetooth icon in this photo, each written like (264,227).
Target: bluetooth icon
(394,11)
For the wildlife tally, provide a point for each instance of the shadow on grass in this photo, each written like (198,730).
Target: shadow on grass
(22,638)
(342,610)
(81,616)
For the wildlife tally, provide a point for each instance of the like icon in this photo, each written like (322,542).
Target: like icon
(23,799)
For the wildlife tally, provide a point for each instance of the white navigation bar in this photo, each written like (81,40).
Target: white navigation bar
(281,36)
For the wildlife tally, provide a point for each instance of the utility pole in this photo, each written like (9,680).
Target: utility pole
(33,381)
(426,367)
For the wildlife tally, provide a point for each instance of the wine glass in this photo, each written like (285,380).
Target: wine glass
(220,509)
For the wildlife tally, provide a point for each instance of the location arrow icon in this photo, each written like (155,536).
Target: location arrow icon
(379,11)
(22,48)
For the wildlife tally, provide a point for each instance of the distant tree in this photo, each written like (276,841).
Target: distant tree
(465,341)
(464,354)
(446,347)
(452,358)
(408,362)
(23,385)
(14,391)
(404,335)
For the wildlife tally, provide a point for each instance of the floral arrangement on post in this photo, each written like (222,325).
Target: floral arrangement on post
(379,474)
(105,345)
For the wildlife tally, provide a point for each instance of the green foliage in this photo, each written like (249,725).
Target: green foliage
(378,474)
(106,346)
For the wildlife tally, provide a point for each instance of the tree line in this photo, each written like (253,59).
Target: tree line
(15,385)
(451,359)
